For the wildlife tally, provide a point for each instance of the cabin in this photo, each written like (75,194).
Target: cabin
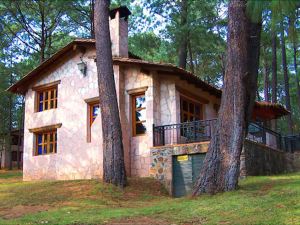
(14,152)
(167,115)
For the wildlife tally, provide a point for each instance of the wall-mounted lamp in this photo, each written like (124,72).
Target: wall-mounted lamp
(82,66)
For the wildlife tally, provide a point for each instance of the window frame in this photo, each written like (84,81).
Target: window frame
(189,101)
(54,141)
(90,121)
(133,110)
(47,102)
(46,88)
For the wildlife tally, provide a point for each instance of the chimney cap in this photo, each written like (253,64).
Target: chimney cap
(123,10)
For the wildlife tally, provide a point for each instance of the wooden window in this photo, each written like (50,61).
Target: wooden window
(46,142)
(47,99)
(190,110)
(93,112)
(139,114)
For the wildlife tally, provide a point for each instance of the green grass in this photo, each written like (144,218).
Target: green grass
(259,200)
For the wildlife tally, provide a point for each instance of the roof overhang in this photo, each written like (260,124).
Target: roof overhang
(269,111)
(21,86)
(262,110)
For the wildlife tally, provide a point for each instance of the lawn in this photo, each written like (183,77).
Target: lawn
(259,200)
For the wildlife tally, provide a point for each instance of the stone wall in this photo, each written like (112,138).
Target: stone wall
(292,162)
(256,159)
(161,160)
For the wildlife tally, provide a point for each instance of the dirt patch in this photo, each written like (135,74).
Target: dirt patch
(139,221)
(266,188)
(153,221)
(21,210)
(140,186)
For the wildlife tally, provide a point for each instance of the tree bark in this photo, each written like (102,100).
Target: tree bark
(274,73)
(21,128)
(220,171)
(274,67)
(266,81)
(10,106)
(113,153)
(43,33)
(294,40)
(92,6)
(286,78)
(191,56)
(296,71)
(182,55)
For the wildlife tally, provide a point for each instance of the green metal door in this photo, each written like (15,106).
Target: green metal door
(186,169)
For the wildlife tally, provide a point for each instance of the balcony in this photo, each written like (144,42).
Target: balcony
(202,130)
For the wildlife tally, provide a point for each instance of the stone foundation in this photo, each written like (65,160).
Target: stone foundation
(256,159)
(161,160)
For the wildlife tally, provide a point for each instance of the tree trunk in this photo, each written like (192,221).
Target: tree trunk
(10,106)
(183,37)
(296,70)
(286,79)
(9,133)
(294,40)
(221,166)
(266,81)
(21,128)
(274,67)
(113,153)
(43,34)
(274,73)
(92,6)
(191,56)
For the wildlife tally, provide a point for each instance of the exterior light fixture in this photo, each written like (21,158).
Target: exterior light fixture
(82,66)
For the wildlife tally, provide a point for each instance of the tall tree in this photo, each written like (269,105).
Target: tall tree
(113,153)
(274,73)
(294,36)
(274,66)
(286,77)
(220,170)
(183,46)
(81,13)
(34,25)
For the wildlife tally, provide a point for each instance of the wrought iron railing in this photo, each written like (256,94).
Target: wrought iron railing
(182,133)
(202,130)
(291,143)
(264,135)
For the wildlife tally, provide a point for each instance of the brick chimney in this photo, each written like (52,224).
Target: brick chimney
(119,31)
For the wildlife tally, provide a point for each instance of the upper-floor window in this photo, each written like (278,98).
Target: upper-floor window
(139,114)
(46,142)
(47,99)
(46,96)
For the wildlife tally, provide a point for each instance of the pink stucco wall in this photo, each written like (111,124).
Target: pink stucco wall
(78,159)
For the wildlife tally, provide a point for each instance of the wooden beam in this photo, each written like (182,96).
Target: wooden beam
(137,90)
(45,128)
(92,100)
(46,86)
(191,95)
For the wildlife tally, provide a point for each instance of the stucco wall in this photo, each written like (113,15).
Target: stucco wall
(139,145)
(75,157)
(78,159)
